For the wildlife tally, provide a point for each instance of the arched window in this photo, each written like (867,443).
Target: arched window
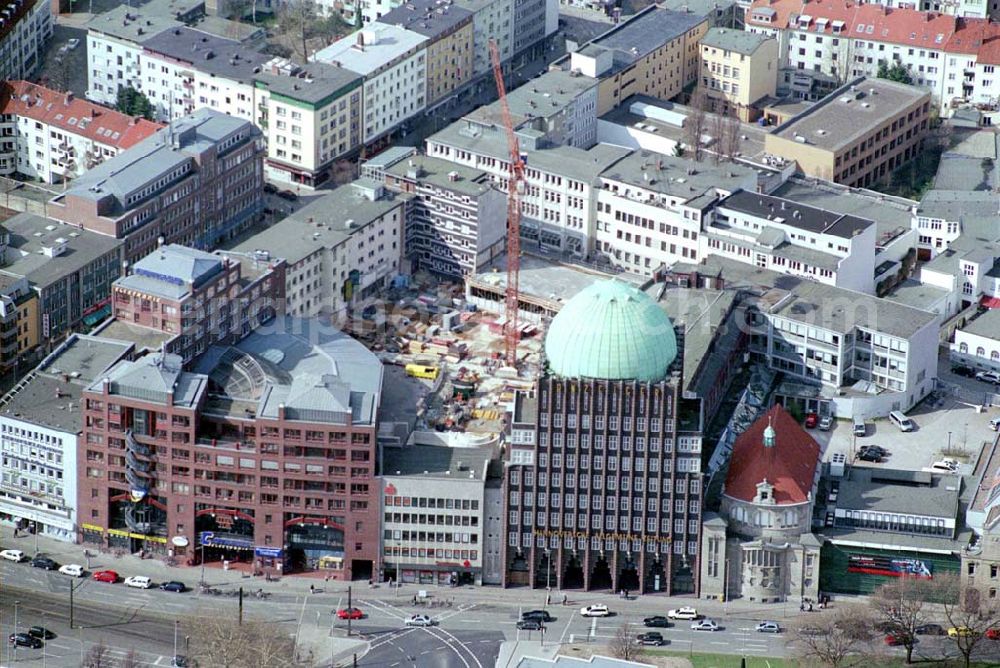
(980,352)
(963,347)
(995,356)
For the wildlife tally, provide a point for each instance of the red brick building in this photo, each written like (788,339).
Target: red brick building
(200,298)
(265,451)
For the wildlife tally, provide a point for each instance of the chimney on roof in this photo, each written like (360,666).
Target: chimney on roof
(68,97)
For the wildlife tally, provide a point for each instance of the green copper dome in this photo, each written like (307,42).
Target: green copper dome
(613,331)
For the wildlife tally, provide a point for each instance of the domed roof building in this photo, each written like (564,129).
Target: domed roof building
(607,414)
(612,331)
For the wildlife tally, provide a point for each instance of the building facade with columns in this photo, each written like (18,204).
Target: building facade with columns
(760,546)
(603,478)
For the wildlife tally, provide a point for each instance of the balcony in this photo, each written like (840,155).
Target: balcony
(222,444)
(137,448)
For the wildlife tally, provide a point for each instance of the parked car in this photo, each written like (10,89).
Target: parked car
(877,449)
(687,612)
(270,188)
(811,420)
(106,576)
(596,610)
(995,424)
(24,640)
(179,661)
(44,563)
(138,582)
(652,638)
(895,639)
(869,456)
(966,371)
(656,622)
(287,195)
(537,615)
(529,625)
(944,466)
(174,585)
(350,613)
(705,625)
(992,634)
(769,627)
(960,632)
(72,43)
(860,428)
(72,570)
(826,423)
(13,555)
(988,377)
(41,633)
(930,630)
(812,631)
(418,620)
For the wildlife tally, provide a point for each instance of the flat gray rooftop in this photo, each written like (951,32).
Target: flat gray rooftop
(142,23)
(437,461)
(340,213)
(545,96)
(646,32)
(986,324)
(840,118)
(29,234)
(208,53)
(50,395)
(956,204)
(144,338)
(437,172)
(803,217)
(430,18)
(319,84)
(678,177)
(383,44)
(731,39)
(706,8)
(891,214)
(547,280)
(892,491)
(916,294)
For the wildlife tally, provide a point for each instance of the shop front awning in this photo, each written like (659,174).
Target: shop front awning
(229,541)
(95,317)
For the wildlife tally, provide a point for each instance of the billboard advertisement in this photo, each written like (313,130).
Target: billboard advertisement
(888,566)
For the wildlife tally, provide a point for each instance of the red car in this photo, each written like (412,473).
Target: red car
(350,613)
(106,576)
(894,639)
(811,420)
(993,634)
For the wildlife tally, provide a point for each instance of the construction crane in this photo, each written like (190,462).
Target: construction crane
(515,189)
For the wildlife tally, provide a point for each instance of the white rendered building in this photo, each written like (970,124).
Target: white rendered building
(25,29)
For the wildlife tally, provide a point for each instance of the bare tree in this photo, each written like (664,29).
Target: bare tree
(733,134)
(99,656)
(719,129)
(344,171)
(696,122)
(968,616)
(836,641)
(623,645)
(295,18)
(131,660)
(901,608)
(223,643)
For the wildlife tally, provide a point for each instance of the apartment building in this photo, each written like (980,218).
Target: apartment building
(25,29)
(338,249)
(720,13)
(492,20)
(55,137)
(434,514)
(18,320)
(456,222)
(311,117)
(197,298)
(654,53)
(69,269)
(533,21)
(739,71)
(943,216)
(450,49)
(271,451)
(651,208)
(559,199)
(605,410)
(40,424)
(115,39)
(196,182)
(795,239)
(858,135)
(557,108)
(967,270)
(185,69)
(393,62)
(868,356)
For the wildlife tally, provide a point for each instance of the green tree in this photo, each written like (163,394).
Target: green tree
(134,103)
(895,72)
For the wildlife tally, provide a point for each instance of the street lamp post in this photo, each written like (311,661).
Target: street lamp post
(176,624)
(725,588)
(16,603)
(949,443)
(202,564)
(44,626)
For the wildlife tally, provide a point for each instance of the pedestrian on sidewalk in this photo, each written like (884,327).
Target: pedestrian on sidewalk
(312,589)
(564,599)
(548,599)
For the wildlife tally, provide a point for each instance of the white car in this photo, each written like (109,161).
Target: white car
(139,582)
(705,625)
(769,627)
(72,570)
(686,612)
(419,620)
(13,555)
(988,376)
(72,43)
(944,466)
(596,610)
(995,424)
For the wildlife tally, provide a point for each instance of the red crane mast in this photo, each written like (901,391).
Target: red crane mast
(515,188)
